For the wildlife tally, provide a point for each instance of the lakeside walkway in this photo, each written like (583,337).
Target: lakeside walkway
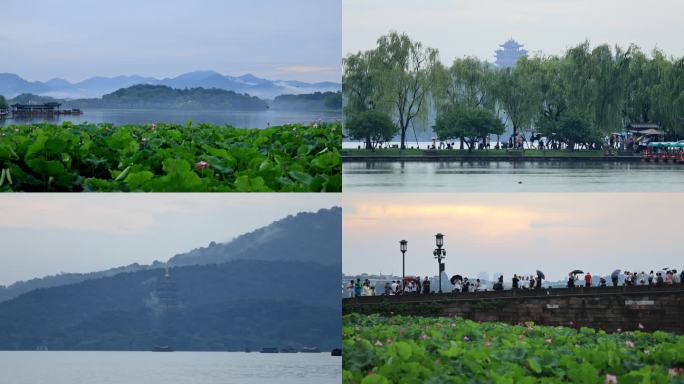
(509,294)
(394,155)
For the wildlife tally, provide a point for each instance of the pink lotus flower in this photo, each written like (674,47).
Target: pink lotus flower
(548,341)
(423,337)
(629,344)
(641,326)
(200,165)
(466,338)
(675,371)
(153,127)
(610,379)
(619,330)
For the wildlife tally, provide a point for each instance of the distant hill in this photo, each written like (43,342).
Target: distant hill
(307,236)
(317,100)
(245,303)
(12,85)
(302,237)
(161,96)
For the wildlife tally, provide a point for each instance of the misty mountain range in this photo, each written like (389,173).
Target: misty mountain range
(294,238)
(12,85)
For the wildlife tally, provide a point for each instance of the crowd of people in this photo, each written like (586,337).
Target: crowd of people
(415,285)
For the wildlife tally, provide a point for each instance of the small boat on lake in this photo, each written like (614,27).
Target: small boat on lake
(288,350)
(310,350)
(164,348)
(269,350)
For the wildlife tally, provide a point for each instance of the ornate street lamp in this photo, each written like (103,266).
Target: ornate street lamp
(402,248)
(440,254)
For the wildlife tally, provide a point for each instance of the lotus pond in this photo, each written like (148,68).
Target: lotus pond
(406,349)
(170,158)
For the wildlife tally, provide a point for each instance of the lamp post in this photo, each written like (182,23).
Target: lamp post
(402,248)
(439,254)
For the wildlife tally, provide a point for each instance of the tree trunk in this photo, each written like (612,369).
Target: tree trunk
(403,137)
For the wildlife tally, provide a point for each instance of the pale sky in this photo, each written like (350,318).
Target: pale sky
(77,39)
(476,27)
(47,234)
(513,233)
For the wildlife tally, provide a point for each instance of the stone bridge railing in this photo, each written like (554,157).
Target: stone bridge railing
(609,308)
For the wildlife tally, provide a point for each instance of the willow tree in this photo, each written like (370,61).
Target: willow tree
(466,84)
(515,91)
(608,85)
(358,87)
(405,76)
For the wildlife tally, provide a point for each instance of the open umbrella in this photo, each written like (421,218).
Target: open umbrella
(615,273)
(454,278)
(576,271)
(540,275)
(666,269)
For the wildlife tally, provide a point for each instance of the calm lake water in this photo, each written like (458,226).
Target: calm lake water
(504,176)
(168,368)
(241,119)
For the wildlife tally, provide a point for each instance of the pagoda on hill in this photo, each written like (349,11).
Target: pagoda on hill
(509,54)
(166,291)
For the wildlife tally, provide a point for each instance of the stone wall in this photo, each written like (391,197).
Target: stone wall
(610,308)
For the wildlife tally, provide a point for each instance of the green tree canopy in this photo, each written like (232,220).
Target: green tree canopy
(373,127)
(470,123)
(3,102)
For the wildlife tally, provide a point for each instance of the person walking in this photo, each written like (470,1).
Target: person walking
(350,289)
(614,278)
(357,288)
(659,279)
(426,286)
(668,278)
(650,278)
(587,280)
(515,281)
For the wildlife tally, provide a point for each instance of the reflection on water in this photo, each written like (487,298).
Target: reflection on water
(505,176)
(168,368)
(242,119)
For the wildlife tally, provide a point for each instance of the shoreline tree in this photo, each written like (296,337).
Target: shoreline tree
(470,123)
(406,76)
(373,127)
